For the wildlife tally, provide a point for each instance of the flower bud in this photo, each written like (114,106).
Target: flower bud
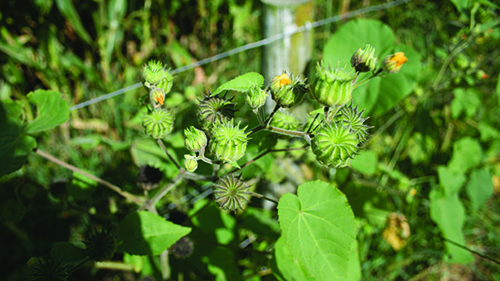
(334,145)
(256,97)
(195,140)
(157,97)
(167,82)
(228,142)
(332,87)
(286,91)
(364,60)
(231,193)
(285,120)
(392,63)
(158,123)
(216,109)
(190,163)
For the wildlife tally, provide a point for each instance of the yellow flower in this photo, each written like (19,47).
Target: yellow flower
(393,63)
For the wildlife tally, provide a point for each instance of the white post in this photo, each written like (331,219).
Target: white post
(290,53)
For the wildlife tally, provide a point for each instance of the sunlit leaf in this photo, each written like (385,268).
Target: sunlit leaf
(318,226)
(52,110)
(467,154)
(285,266)
(242,83)
(479,188)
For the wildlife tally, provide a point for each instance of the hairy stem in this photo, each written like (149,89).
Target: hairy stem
(364,81)
(163,191)
(263,197)
(160,143)
(113,187)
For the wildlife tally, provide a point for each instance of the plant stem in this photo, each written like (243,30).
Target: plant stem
(160,143)
(263,197)
(266,122)
(85,260)
(264,153)
(162,192)
(312,123)
(113,187)
(270,118)
(216,170)
(364,81)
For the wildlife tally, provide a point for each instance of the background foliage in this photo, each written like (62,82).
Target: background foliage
(433,157)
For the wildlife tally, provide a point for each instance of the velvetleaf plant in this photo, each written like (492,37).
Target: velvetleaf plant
(334,136)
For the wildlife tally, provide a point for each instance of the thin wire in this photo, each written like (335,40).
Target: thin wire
(253,45)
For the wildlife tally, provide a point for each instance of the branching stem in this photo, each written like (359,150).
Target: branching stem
(160,143)
(113,187)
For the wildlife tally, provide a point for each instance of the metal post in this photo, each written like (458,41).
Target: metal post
(290,53)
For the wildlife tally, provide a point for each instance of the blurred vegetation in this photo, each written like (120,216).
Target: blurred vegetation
(85,49)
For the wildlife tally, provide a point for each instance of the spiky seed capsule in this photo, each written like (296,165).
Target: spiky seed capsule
(190,163)
(158,123)
(215,109)
(228,142)
(352,119)
(101,245)
(285,120)
(156,76)
(332,87)
(148,177)
(364,60)
(288,91)
(256,97)
(393,63)
(183,248)
(48,269)
(195,140)
(334,145)
(231,193)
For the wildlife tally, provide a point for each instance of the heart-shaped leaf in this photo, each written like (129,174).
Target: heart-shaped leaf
(52,110)
(144,233)
(242,83)
(318,225)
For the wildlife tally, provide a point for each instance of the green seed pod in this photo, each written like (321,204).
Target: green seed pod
(167,82)
(256,97)
(350,118)
(332,87)
(153,73)
(228,142)
(195,140)
(364,60)
(216,109)
(334,145)
(393,63)
(101,245)
(231,193)
(286,91)
(158,123)
(191,164)
(48,269)
(285,120)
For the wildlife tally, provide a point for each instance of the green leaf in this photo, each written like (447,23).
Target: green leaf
(52,110)
(498,90)
(67,252)
(81,187)
(479,188)
(448,213)
(450,180)
(365,162)
(68,10)
(356,34)
(242,83)
(487,132)
(144,233)
(467,154)
(318,225)
(354,273)
(464,100)
(260,222)
(285,266)
(15,146)
(146,151)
